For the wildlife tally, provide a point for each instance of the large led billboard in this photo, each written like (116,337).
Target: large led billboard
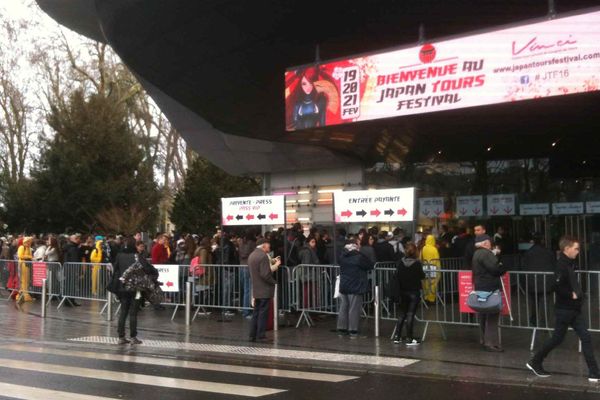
(549,58)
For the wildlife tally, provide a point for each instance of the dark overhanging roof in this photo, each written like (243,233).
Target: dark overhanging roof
(216,68)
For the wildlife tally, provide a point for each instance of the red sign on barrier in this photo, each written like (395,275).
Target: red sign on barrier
(465,287)
(38,273)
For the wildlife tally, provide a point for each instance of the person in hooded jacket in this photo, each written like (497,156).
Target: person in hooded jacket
(431,257)
(24,256)
(98,256)
(409,272)
(308,256)
(354,266)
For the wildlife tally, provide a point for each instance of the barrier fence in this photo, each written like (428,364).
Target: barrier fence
(309,289)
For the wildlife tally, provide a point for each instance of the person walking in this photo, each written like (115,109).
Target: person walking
(263,286)
(354,266)
(410,277)
(569,300)
(487,272)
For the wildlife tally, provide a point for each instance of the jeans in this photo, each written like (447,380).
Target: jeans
(129,306)
(349,315)
(574,319)
(245,278)
(409,301)
(227,282)
(260,314)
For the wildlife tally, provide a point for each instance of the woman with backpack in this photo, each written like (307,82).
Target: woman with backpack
(409,274)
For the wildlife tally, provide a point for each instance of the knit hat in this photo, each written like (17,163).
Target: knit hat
(482,238)
(97,238)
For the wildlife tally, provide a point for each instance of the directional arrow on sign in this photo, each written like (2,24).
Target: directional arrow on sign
(476,211)
(273,216)
(346,213)
(493,210)
(249,217)
(238,217)
(437,212)
(376,212)
(389,212)
(425,212)
(402,212)
(362,213)
(463,211)
(229,217)
(169,284)
(508,210)
(261,216)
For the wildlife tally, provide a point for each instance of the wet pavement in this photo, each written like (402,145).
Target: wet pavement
(73,350)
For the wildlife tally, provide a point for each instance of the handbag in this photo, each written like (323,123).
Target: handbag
(485,302)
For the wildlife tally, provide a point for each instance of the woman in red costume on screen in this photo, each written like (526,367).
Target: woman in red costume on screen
(312,94)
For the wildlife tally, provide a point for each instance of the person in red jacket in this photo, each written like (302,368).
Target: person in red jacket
(159,253)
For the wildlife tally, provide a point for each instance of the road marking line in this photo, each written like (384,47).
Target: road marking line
(130,378)
(168,362)
(263,352)
(31,393)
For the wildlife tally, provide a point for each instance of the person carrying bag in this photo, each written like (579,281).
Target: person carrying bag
(486,298)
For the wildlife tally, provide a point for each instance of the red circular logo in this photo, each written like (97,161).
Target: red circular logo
(427,53)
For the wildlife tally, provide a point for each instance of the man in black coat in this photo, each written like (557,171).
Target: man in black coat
(538,259)
(384,251)
(569,300)
(74,254)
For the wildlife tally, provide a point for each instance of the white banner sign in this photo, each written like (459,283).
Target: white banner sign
(592,207)
(500,204)
(535,209)
(469,206)
(567,208)
(431,207)
(169,276)
(374,205)
(552,57)
(257,210)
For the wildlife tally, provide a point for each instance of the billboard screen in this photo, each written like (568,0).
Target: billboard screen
(549,58)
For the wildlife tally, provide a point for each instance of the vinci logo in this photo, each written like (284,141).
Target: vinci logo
(427,53)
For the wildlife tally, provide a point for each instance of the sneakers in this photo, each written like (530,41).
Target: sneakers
(135,340)
(594,377)
(353,334)
(122,340)
(538,370)
(413,342)
(397,339)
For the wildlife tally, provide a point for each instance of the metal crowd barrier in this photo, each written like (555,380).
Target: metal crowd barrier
(315,287)
(84,281)
(177,299)
(12,273)
(225,287)
(9,276)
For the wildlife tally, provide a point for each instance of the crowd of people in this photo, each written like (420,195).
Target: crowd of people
(356,254)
